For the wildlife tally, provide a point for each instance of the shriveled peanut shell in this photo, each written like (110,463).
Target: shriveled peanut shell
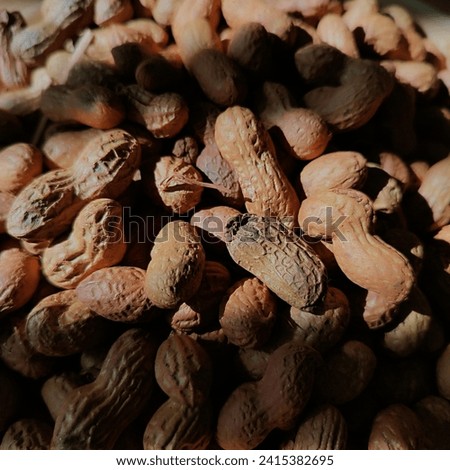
(176,267)
(434,415)
(183,370)
(60,325)
(96,242)
(20,163)
(346,373)
(116,293)
(19,278)
(248,313)
(324,329)
(396,428)
(178,427)
(279,258)
(202,310)
(27,434)
(323,428)
(173,184)
(334,170)
(246,145)
(443,373)
(163,115)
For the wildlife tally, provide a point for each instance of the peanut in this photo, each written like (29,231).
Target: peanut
(176,267)
(95,414)
(27,434)
(255,408)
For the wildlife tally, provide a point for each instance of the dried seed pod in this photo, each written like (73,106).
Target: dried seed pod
(201,310)
(280,259)
(396,428)
(116,293)
(173,184)
(324,329)
(214,220)
(346,373)
(323,428)
(256,408)
(246,145)
(434,415)
(60,325)
(96,242)
(95,414)
(304,133)
(27,434)
(333,171)
(163,115)
(20,164)
(49,204)
(19,278)
(176,267)
(248,313)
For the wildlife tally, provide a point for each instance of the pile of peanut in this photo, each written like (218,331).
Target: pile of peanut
(223,225)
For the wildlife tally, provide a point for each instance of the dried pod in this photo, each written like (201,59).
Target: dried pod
(323,428)
(176,267)
(333,171)
(323,329)
(396,428)
(116,293)
(60,325)
(279,258)
(27,434)
(248,313)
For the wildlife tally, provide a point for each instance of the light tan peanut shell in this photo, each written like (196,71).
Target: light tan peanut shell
(116,293)
(334,170)
(176,267)
(246,145)
(346,216)
(96,242)
(279,258)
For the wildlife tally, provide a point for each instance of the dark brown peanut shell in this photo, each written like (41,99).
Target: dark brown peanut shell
(95,414)
(323,428)
(396,428)
(27,434)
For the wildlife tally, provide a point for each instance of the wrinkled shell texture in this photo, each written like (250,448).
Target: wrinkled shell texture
(224,224)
